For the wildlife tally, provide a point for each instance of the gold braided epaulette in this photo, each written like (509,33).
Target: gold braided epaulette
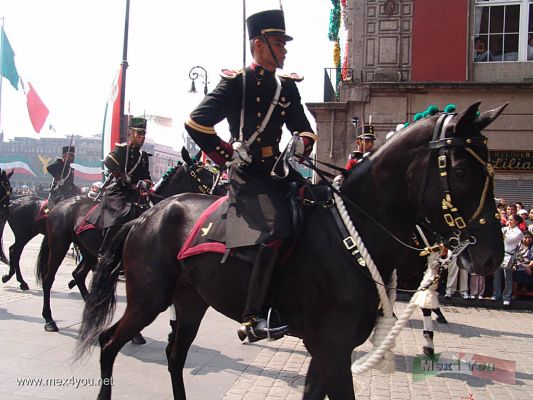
(230,73)
(293,76)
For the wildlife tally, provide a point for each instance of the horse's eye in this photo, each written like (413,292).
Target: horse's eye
(459,172)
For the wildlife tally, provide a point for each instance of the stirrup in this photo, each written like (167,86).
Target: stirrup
(247,330)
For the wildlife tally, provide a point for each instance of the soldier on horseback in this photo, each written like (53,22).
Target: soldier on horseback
(63,186)
(256,103)
(129,169)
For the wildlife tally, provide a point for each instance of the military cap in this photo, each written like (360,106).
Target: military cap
(270,22)
(68,149)
(138,123)
(366,132)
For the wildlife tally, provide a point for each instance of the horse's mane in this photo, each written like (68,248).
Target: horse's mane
(163,182)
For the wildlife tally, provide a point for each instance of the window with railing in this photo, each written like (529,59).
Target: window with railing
(503,30)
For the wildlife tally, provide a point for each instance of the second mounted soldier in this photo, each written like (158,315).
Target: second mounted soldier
(128,165)
(63,186)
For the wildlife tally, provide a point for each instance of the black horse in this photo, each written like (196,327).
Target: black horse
(26,220)
(320,291)
(64,228)
(5,195)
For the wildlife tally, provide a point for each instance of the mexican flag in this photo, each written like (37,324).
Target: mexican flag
(7,61)
(87,173)
(111,130)
(20,167)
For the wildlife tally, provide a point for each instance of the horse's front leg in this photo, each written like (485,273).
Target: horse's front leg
(313,390)
(15,251)
(330,371)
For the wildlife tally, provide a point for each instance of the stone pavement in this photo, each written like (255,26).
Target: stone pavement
(35,364)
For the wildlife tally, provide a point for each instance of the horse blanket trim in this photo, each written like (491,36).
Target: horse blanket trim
(190,248)
(43,211)
(84,225)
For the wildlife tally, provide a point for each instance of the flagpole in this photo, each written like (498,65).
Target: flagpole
(124,67)
(123,130)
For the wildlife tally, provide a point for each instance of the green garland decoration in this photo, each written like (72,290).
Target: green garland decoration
(334,21)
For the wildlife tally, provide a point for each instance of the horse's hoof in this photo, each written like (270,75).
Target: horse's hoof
(51,327)
(241,332)
(138,339)
(429,351)
(442,320)
(24,286)
(71,284)
(5,278)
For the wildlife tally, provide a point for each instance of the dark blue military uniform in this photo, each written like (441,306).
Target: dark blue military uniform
(120,201)
(63,186)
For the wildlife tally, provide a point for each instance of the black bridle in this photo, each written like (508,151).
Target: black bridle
(440,145)
(202,187)
(6,187)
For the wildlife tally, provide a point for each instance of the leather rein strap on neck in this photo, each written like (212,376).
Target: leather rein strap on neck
(7,193)
(440,146)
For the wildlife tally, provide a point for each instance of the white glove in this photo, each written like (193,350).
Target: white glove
(142,185)
(299,146)
(241,153)
(61,182)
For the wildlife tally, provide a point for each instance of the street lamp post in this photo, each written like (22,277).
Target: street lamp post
(195,73)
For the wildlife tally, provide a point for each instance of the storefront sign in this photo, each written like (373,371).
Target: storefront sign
(512,160)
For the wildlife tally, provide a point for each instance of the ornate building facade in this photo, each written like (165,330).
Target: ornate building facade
(405,55)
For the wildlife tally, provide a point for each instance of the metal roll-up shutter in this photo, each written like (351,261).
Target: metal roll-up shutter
(513,190)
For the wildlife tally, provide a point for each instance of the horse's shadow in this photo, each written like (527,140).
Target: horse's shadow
(6,315)
(468,331)
(204,361)
(73,294)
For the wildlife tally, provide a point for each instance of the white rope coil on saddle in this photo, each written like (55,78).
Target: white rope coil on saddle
(387,327)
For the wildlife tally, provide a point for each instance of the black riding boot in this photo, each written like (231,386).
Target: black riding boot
(257,326)
(107,237)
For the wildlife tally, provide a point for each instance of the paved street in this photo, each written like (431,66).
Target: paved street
(220,367)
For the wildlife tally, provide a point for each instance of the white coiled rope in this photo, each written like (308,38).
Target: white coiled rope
(387,327)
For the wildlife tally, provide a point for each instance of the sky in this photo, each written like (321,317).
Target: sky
(71,50)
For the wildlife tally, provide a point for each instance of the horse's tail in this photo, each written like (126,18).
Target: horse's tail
(3,220)
(41,266)
(100,303)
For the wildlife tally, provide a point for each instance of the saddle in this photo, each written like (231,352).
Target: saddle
(84,224)
(212,219)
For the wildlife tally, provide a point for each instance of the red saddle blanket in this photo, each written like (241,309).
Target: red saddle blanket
(196,242)
(84,225)
(43,211)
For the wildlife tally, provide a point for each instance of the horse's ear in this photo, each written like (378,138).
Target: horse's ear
(486,118)
(10,173)
(186,156)
(198,156)
(466,118)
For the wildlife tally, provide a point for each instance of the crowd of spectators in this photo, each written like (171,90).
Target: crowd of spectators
(515,275)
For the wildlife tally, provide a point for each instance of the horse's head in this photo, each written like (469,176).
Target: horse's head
(188,177)
(450,182)
(5,188)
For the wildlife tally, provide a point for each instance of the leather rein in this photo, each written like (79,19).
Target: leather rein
(7,192)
